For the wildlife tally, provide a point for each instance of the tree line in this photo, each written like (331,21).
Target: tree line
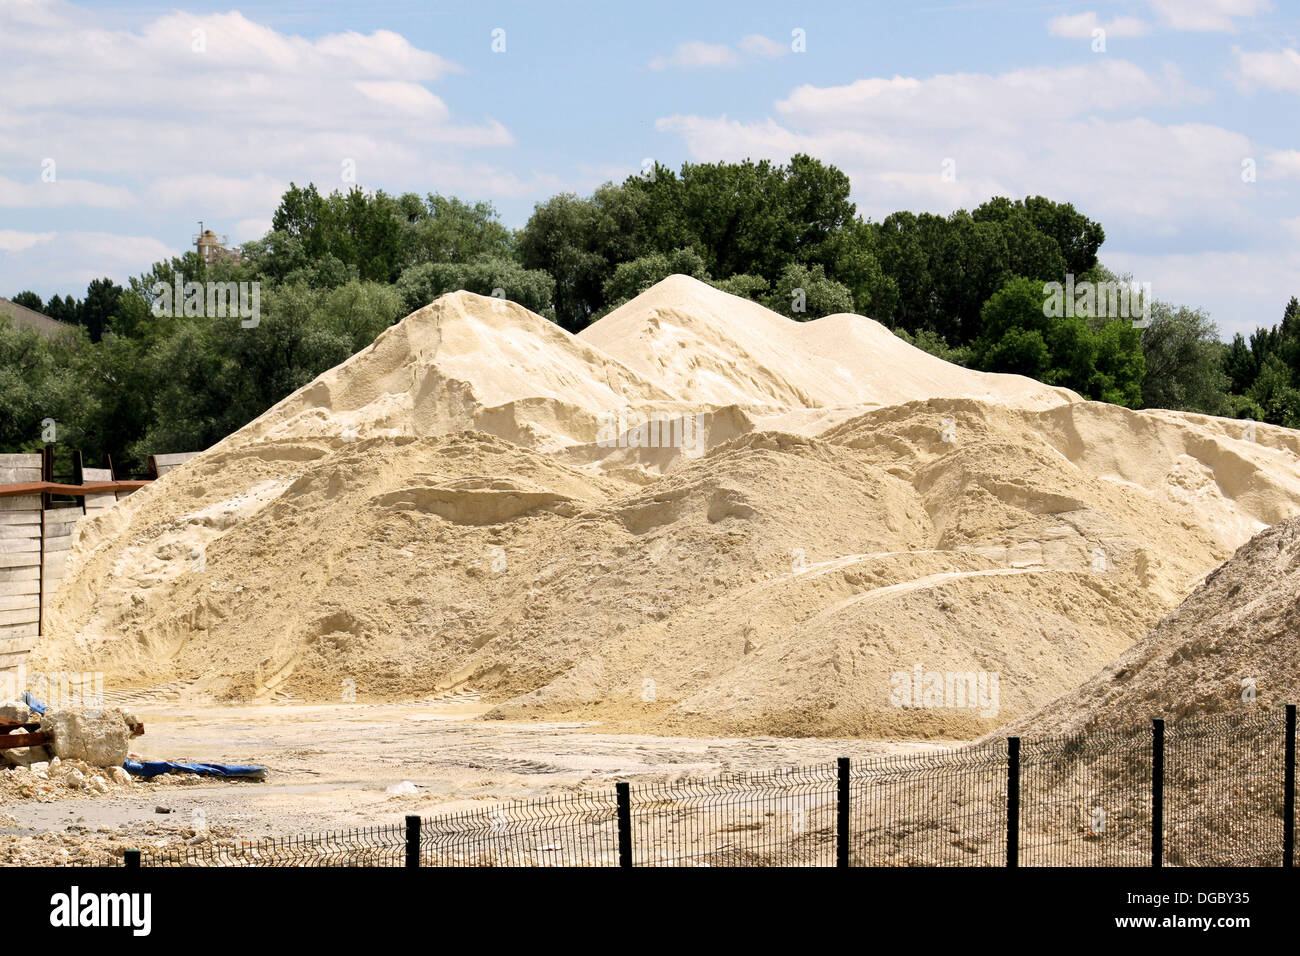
(336,269)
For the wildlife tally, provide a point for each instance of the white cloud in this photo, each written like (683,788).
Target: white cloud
(1241,289)
(61,192)
(13,241)
(62,262)
(409,98)
(760,45)
(220,96)
(976,100)
(696,54)
(1069,133)
(209,115)
(247,229)
(1073,133)
(1282,164)
(480,180)
(208,191)
(1208,16)
(1270,70)
(1081,26)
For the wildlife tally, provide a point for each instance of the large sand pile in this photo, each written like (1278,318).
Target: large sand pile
(1232,647)
(450,508)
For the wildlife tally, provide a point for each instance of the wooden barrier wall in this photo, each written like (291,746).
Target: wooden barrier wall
(36,540)
(20,561)
(159,465)
(35,544)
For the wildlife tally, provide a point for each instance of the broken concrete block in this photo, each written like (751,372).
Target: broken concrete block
(16,710)
(23,756)
(97,737)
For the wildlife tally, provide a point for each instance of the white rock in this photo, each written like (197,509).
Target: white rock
(22,756)
(16,710)
(97,737)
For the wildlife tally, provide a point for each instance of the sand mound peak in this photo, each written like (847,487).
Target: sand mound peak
(712,347)
(463,362)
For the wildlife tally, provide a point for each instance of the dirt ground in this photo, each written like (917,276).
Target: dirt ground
(331,765)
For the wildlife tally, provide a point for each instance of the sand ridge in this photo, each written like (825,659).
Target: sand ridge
(1228,649)
(446,510)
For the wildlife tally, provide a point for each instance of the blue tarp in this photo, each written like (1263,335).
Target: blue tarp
(154,768)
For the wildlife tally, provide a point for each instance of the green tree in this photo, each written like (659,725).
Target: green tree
(747,218)
(213,375)
(804,293)
(1119,365)
(532,288)
(1240,365)
(754,288)
(632,278)
(40,382)
(67,310)
(447,229)
(1264,371)
(97,308)
(1184,362)
(1076,237)
(1275,393)
(28,300)
(359,311)
(563,238)
(1019,336)
(928,341)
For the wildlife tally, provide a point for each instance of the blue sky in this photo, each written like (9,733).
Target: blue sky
(121,125)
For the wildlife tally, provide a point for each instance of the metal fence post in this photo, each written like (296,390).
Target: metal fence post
(624,792)
(842,814)
(412,840)
(1013,801)
(1157,792)
(131,859)
(1288,791)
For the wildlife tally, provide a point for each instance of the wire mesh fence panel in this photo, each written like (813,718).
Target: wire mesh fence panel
(1224,790)
(368,846)
(776,818)
(572,829)
(1082,801)
(1086,800)
(940,809)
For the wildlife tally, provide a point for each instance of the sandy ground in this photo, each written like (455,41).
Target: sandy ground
(331,764)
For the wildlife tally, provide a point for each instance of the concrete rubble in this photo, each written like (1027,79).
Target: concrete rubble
(96,737)
(99,737)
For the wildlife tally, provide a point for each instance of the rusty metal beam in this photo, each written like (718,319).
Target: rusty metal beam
(78,491)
